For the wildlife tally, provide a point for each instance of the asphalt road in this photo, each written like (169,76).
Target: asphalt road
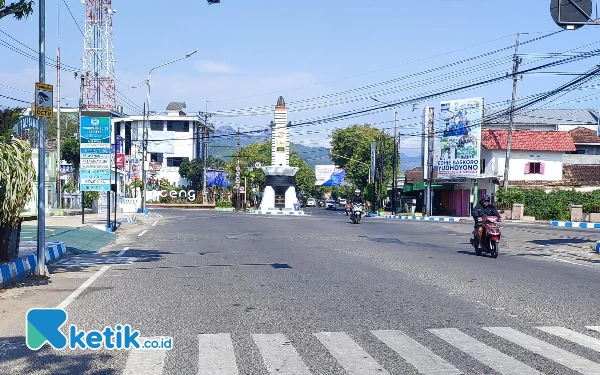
(247,294)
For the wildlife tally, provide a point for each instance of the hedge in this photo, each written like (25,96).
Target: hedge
(553,205)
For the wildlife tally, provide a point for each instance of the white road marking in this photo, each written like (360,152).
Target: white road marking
(81,288)
(216,355)
(123,251)
(145,361)
(565,358)
(141,234)
(574,263)
(351,356)
(490,357)
(279,355)
(576,337)
(416,354)
(156,222)
(593,328)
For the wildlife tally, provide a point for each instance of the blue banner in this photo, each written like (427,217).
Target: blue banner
(216,178)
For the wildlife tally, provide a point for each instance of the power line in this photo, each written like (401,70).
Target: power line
(17,100)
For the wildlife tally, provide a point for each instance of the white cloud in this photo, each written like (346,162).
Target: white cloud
(209,66)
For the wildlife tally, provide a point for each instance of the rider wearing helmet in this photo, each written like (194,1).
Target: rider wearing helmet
(357,198)
(484,208)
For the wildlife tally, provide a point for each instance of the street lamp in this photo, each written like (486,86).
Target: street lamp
(395,160)
(145,132)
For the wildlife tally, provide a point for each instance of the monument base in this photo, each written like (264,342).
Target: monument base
(280,189)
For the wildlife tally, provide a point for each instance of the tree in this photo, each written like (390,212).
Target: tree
(69,152)
(191,170)
(261,152)
(19,9)
(351,150)
(17,176)
(69,125)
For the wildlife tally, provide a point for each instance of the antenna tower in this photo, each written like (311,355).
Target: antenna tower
(98,55)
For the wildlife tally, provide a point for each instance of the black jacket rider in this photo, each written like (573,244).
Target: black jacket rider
(357,199)
(480,210)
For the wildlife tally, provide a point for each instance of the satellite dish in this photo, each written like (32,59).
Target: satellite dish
(571,14)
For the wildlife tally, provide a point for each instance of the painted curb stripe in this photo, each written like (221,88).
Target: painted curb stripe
(21,267)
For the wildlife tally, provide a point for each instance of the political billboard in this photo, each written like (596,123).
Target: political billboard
(329,175)
(458,149)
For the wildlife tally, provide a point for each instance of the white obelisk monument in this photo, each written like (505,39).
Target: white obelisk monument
(280,186)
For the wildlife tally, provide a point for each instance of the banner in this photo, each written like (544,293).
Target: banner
(458,150)
(329,175)
(216,178)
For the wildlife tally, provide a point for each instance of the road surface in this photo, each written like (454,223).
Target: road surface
(248,294)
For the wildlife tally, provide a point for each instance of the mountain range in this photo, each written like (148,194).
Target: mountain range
(225,138)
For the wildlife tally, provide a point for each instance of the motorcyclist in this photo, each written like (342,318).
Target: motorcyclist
(357,198)
(484,208)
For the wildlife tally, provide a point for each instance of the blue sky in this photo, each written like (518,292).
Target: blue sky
(252,51)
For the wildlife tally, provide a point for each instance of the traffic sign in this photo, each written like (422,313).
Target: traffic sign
(571,14)
(257,164)
(43,100)
(237,168)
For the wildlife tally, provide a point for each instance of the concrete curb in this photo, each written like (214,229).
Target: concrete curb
(260,212)
(22,267)
(128,219)
(597,248)
(570,224)
(420,218)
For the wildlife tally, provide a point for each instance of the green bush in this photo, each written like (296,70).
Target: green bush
(89,197)
(554,205)
(224,204)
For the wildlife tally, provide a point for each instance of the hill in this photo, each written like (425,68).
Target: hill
(224,145)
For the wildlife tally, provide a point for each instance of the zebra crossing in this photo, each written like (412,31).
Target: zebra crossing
(216,353)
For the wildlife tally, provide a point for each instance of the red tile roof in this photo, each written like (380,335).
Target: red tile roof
(528,140)
(584,135)
(582,173)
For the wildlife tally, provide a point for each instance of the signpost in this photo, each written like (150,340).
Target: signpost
(94,172)
(43,100)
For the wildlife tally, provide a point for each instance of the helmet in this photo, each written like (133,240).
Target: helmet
(357,192)
(486,198)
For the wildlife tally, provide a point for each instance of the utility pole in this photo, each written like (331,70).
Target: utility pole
(58,182)
(430,145)
(237,173)
(144,146)
(58,187)
(382,184)
(395,162)
(205,152)
(81,86)
(40,269)
(511,124)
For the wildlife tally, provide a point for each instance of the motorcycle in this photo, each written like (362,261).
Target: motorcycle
(491,236)
(356,213)
(348,208)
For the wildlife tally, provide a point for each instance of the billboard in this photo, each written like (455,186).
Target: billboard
(329,175)
(458,150)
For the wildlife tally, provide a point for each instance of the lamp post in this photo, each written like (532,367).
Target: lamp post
(395,157)
(145,130)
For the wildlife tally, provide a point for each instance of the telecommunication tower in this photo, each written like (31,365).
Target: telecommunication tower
(98,55)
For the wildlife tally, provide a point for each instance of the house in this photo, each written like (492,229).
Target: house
(536,158)
(587,144)
(541,119)
(173,135)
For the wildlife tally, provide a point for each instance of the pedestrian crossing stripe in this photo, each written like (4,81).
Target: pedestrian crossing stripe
(218,356)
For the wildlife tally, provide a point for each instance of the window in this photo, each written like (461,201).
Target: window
(157,157)
(178,126)
(579,152)
(157,126)
(534,168)
(175,161)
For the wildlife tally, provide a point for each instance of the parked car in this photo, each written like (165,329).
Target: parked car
(342,202)
(330,205)
(311,202)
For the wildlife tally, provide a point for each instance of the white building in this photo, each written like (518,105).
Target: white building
(536,157)
(172,136)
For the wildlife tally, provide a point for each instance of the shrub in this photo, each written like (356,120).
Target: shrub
(224,204)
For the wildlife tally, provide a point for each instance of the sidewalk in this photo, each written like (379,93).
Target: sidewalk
(64,234)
